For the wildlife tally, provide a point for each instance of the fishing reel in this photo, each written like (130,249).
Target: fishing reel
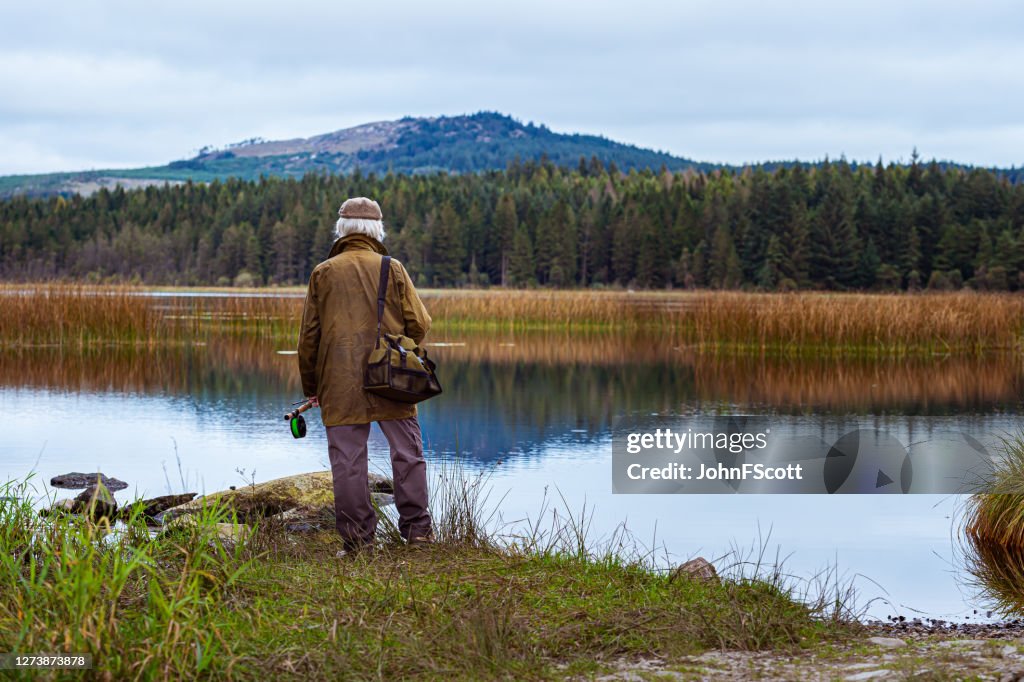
(296,422)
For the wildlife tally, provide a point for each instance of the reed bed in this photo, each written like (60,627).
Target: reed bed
(809,322)
(789,324)
(72,315)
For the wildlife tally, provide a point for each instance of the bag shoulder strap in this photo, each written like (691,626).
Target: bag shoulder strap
(382,291)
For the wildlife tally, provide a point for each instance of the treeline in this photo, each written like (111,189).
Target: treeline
(536,224)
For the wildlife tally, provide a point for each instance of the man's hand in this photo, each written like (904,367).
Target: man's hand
(314,402)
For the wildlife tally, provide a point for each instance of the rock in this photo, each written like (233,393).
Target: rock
(868,675)
(77,480)
(699,569)
(887,642)
(380,484)
(951,643)
(151,509)
(96,502)
(382,499)
(60,507)
(311,494)
(313,519)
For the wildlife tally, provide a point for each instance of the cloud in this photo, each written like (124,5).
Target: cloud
(124,84)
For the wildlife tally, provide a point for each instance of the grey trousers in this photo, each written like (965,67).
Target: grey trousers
(356,519)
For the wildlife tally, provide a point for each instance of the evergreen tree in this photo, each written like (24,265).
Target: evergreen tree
(521,264)
(506,223)
(446,247)
(725,268)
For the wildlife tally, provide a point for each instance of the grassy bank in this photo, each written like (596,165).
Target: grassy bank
(800,324)
(189,604)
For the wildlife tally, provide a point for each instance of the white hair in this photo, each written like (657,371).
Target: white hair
(371,228)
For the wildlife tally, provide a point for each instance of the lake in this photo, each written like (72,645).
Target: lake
(534,412)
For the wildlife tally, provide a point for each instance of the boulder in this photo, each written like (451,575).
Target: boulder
(96,502)
(304,495)
(77,480)
(699,569)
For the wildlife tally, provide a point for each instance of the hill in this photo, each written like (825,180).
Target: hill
(456,144)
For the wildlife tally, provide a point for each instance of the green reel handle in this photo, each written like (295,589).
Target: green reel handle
(296,422)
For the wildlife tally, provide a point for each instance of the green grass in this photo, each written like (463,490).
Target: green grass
(190,604)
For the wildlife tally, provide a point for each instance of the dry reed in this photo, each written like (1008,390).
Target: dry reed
(788,324)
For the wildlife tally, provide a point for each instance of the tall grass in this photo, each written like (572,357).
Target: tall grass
(993,532)
(141,603)
(793,324)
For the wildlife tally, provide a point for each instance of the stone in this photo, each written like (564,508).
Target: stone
(77,480)
(382,499)
(96,502)
(311,494)
(59,507)
(887,642)
(868,675)
(957,643)
(699,569)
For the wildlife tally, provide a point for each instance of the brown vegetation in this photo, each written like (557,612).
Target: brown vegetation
(786,324)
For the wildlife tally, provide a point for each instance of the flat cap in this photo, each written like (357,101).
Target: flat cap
(360,207)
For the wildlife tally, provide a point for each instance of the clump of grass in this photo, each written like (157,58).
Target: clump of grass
(143,604)
(994,532)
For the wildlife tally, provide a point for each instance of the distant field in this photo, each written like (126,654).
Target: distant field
(788,324)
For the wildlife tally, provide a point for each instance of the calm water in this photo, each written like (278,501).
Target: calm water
(536,413)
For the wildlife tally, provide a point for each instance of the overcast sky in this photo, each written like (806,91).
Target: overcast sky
(106,83)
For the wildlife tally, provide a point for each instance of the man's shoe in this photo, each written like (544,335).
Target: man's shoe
(421,540)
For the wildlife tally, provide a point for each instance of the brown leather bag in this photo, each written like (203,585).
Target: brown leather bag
(398,368)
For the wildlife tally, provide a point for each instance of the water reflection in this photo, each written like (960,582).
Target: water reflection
(582,380)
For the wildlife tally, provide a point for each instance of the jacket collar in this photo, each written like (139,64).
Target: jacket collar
(357,241)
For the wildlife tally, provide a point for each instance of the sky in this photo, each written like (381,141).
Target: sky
(108,84)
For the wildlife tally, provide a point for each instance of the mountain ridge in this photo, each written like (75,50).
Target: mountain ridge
(414,145)
(469,143)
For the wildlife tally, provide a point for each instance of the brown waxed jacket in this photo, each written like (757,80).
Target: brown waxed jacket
(339,329)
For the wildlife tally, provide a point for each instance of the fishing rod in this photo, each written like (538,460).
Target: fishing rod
(296,422)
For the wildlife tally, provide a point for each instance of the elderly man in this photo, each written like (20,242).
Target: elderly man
(339,329)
